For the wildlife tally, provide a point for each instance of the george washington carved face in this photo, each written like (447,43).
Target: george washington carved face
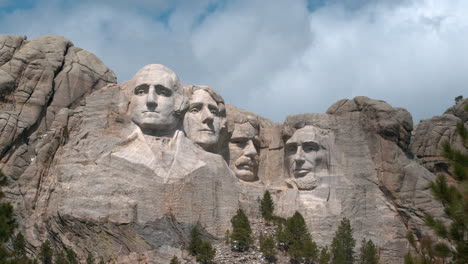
(155,99)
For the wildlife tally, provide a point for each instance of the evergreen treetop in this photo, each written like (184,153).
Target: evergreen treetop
(267,248)
(241,232)
(267,206)
(368,253)
(174,260)
(342,247)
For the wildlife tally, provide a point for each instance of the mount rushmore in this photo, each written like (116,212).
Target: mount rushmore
(125,169)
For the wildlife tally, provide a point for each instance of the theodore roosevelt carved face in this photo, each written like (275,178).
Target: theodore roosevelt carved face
(205,117)
(156,99)
(243,150)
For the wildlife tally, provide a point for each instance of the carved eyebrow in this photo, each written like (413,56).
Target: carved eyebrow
(212,106)
(240,138)
(196,104)
(163,88)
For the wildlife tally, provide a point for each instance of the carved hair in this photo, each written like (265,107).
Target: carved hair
(190,90)
(239,118)
(181,101)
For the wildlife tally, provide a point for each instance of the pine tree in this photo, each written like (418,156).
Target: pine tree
(281,237)
(206,253)
(46,253)
(7,222)
(454,198)
(60,257)
(174,260)
(241,232)
(267,206)
(19,246)
(90,258)
(368,253)
(201,249)
(298,241)
(195,240)
(71,256)
(227,236)
(267,248)
(324,256)
(343,244)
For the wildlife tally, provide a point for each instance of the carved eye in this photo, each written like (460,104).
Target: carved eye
(291,149)
(194,110)
(140,92)
(239,143)
(214,112)
(310,147)
(161,90)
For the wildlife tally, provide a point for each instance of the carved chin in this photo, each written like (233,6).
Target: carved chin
(245,175)
(306,183)
(206,141)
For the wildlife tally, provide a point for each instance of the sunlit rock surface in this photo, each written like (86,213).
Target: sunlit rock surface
(84,174)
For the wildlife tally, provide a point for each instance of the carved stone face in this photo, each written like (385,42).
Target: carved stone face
(202,121)
(305,156)
(153,102)
(243,152)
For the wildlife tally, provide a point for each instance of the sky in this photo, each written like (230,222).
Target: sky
(273,57)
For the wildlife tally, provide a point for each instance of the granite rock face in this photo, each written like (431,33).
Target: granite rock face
(430,134)
(124,171)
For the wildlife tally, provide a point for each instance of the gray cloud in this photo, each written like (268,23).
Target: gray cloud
(275,58)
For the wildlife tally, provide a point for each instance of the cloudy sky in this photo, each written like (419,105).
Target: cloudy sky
(273,57)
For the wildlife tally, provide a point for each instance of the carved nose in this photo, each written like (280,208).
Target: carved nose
(151,99)
(207,116)
(250,150)
(299,156)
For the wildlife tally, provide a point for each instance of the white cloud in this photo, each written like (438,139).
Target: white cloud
(274,57)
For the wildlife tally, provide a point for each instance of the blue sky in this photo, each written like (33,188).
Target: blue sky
(275,57)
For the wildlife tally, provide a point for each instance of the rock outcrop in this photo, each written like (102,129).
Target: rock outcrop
(115,170)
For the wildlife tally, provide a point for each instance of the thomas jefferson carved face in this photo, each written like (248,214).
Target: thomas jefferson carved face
(305,157)
(154,100)
(243,151)
(203,120)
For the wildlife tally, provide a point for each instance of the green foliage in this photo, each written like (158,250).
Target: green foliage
(241,232)
(7,222)
(195,241)
(267,248)
(267,206)
(296,240)
(409,259)
(19,246)
(206,253)
(368,253)
(343,243)
(281,237)
(454,199)
(201,249)
(324,256)
(174,260)
(71,256)
(227,236)
(60,257)
(46,253)
(90,258)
